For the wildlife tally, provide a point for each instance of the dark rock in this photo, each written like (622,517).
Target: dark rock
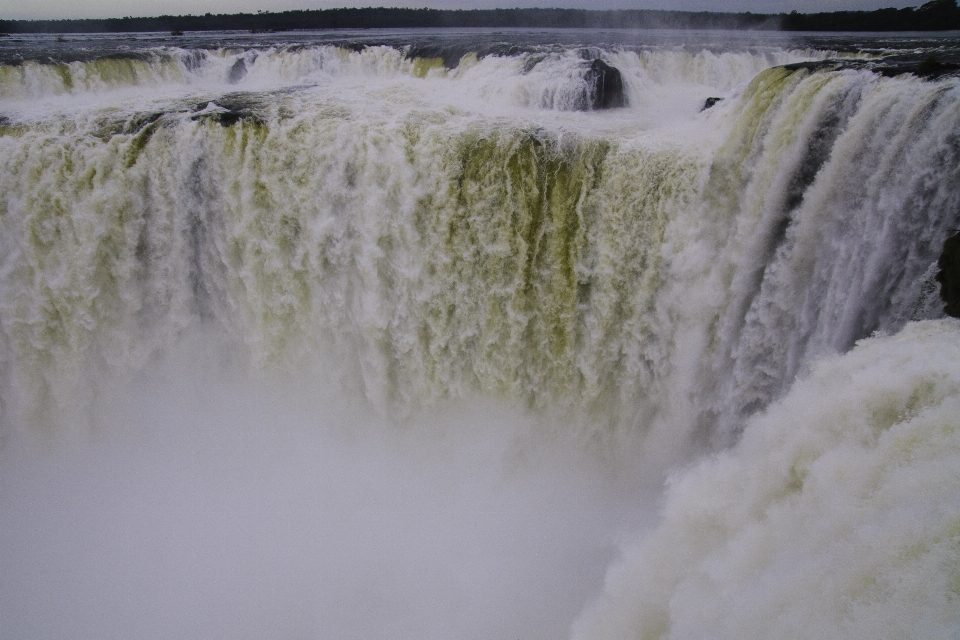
(605,86)
(813,66)
(449,52)
(530,62)
(932,69)
(929,69)
(140,121)
(890,72)
(227,118)
(229,110)
(237,72)
(710,102)
(928,66)
(949,275)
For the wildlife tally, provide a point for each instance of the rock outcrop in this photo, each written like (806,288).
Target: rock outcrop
(949,275)
(604,86)
(709,102)
(237,72)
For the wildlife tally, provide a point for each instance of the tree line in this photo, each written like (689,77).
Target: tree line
(937,15)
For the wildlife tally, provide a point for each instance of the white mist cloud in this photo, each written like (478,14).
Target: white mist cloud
(254,509)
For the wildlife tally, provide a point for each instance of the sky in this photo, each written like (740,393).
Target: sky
(42,9)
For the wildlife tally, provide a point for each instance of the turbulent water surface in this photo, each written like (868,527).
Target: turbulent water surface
(392,335)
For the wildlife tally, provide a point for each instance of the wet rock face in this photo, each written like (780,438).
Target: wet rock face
(949,275)
(605,86)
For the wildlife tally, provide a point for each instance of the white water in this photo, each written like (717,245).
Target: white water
(836,516)
(406,351)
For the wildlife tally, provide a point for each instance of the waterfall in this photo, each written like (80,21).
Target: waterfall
(298,229)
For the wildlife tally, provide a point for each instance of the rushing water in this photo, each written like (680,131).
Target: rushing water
(377,334)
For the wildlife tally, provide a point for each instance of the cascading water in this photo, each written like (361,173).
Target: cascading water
(359,342)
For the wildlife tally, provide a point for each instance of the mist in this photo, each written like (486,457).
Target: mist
(201,501)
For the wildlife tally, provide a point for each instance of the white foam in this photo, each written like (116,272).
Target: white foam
(837,515)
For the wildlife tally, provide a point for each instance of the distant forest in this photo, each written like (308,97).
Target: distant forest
(939,15)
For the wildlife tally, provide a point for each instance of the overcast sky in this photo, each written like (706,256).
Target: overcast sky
(25,9)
